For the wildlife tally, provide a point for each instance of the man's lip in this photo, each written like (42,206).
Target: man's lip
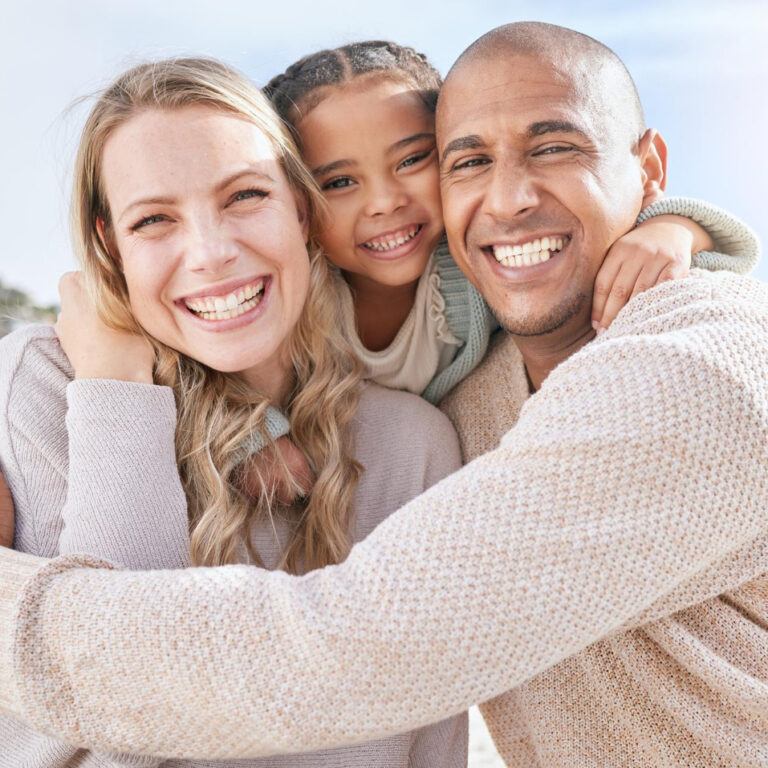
(222,289)
(527,238)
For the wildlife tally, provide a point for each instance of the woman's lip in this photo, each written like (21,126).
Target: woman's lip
(221,289)
(400,251)
(217,326)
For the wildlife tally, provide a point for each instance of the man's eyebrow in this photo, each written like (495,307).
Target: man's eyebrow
(336,165)
(473,141)
(411,140)
(554,126)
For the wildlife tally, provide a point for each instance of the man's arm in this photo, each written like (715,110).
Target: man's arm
(6,514)
(638,467)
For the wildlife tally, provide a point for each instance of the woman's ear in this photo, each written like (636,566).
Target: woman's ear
(302,211)
(652,152)
(101,230)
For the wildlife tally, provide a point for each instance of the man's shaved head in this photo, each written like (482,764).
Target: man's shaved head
(594,69)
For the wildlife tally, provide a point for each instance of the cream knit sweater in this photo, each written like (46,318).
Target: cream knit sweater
(606,561)
(124,501)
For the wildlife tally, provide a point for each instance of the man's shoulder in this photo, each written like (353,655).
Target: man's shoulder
(487,403)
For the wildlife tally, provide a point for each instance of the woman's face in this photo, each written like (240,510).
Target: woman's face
(210,238)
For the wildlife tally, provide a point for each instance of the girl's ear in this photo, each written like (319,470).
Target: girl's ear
(652,152)
(101,230)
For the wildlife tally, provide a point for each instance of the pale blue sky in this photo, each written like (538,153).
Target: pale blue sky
(701,68)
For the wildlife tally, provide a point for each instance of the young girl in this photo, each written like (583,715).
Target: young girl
(363,115)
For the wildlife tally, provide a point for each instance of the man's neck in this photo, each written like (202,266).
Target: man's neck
(542,354)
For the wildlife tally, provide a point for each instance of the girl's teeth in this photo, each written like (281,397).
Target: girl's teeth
(388,245)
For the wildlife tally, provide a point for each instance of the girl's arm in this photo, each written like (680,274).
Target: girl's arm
(671,234)
(6,514)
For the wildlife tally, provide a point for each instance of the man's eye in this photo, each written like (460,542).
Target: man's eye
(338,183)
(414,159)
(146,221)
(471,162)
(554,150)
(249,194)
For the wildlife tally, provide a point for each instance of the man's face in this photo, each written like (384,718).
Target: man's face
(528,155)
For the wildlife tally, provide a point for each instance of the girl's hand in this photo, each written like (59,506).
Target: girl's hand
(95,350)
(6,515)
(263,473)
(655,251)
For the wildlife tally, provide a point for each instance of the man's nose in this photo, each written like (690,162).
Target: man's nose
(511,192)
(385,196)
(208,248)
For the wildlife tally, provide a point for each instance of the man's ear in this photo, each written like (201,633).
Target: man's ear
(652,152)
(101,230)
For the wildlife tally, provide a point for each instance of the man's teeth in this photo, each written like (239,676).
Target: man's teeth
(229,305)
(391,242)
(533,252)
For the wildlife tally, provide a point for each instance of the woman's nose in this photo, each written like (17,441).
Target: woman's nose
(207,248)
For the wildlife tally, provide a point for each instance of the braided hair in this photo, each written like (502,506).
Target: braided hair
(303,84)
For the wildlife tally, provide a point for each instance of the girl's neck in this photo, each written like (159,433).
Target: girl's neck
(380,310)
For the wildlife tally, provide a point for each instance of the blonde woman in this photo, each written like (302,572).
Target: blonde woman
(199,307)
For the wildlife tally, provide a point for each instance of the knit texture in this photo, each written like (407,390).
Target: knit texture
(124,501)
(606,561)
(737,248)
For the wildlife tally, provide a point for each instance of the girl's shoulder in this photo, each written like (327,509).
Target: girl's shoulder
(405,445)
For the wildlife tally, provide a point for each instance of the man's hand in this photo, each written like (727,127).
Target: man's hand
(6,515)
(263,473)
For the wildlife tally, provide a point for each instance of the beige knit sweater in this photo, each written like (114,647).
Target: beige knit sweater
(124,501)
(606,561)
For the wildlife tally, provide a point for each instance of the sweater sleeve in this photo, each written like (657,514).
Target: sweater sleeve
(587,515)
(125,501)
(737,247)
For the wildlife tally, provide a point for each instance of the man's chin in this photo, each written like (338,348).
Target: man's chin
(543,322)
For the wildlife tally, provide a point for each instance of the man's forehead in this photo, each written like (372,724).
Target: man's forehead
(516,94)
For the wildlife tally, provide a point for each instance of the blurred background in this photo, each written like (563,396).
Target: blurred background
(701,68)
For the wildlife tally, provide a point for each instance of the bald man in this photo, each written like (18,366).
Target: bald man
(598,577)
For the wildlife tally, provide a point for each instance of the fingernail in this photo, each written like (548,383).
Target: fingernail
(599,330)
(595,326)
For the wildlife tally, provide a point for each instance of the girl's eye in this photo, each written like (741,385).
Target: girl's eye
(146,221)
(249,194)
(414,159)
(340,182)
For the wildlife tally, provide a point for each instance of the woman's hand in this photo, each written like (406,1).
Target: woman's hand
(6,515)
(95,350)
(655,251)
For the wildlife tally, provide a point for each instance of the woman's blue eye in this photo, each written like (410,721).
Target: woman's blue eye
(248,194)
(146,221)
(340,183)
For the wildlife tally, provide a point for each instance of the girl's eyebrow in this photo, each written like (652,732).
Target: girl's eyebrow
(321,170)
(411,140)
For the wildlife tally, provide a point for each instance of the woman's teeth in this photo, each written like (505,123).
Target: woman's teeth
(229,305)
(393,240)
(533,252)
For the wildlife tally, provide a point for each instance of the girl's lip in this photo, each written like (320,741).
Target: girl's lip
(400,251)
(217,326)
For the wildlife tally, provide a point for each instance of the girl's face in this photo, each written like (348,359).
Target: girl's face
(210,238)
(371,147)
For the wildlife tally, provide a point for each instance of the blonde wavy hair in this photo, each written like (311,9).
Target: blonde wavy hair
(218,412)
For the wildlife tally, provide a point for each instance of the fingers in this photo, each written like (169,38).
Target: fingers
(264,473)
(6,515)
